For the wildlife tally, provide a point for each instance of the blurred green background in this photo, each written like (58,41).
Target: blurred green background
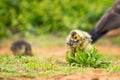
(49,16)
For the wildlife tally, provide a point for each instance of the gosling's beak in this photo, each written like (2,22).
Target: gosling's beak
(70,42)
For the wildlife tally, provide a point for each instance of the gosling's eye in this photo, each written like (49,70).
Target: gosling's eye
(75,37)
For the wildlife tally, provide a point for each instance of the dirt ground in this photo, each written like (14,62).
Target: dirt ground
(95,75)
(59,51)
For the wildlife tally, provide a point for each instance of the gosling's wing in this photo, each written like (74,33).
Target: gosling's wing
(87,36)
(110,20)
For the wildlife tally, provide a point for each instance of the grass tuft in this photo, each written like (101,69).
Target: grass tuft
(89,58)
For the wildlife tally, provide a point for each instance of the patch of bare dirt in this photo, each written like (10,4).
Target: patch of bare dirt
(108,49)
(5,50)
(53,51)
(98,74)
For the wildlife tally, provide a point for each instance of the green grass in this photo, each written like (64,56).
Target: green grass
(47,40)
(16,66)
(109,41)
(116,40)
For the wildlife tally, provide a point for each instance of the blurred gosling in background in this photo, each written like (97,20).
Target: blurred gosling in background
(21,47)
